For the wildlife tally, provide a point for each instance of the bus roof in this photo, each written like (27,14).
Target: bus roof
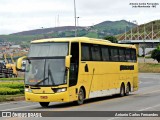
(83,40)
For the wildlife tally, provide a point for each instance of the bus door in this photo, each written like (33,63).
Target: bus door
(73,74)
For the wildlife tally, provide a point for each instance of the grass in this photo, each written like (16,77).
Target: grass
(12,79)
(4,98)
(92,35)
(149,68)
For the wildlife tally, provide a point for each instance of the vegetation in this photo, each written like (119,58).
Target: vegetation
(149,68)
(13,85)
(92,35)
(97,31)
(11,88)
(11,79)
(111,38)
(114,27)
(156,54)
(9,91)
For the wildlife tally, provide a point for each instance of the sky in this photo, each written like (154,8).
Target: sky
(23,15)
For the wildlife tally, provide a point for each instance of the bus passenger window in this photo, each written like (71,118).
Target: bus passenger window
(122,56)
(105,53)
(85,53)
(95,50)
(114,54)
(133,55)
(128,55)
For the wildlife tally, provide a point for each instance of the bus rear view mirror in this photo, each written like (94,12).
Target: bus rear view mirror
(67,61)
(19,63)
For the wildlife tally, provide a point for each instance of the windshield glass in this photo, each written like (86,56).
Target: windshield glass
(45,72)
(48,49)
(46,64)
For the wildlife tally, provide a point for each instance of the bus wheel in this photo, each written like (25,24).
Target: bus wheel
(44,104)
(127,90)
(122,91)
(80,97)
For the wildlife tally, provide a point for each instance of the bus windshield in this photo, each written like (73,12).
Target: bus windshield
(48,49)
(46,64)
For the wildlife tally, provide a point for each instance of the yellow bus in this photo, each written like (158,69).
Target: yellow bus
(75,69)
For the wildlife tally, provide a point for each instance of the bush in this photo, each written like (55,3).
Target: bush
(11,88)
(12,85)
(156,54)
(9,91)
(111,39)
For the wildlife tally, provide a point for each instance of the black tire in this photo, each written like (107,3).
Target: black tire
(44,104)
(122,91)
(127,90)
(80,100)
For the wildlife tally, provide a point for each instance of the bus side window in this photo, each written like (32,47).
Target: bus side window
(85,53)
(122,56)
(114,54)
(128,55)
(95,52)
(105,53)
(133,55)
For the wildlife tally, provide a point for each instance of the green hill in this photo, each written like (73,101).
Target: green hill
(114,27)
(97,31)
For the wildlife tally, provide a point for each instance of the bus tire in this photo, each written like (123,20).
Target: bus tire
(80,100)
(122,91)
(44,104)
(127,90)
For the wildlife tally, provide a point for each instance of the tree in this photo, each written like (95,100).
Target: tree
(111,38)
(156,54)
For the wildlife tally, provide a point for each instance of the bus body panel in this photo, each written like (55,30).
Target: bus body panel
(105,78)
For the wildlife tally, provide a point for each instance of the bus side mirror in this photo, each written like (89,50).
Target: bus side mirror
(68,61)
(19,63)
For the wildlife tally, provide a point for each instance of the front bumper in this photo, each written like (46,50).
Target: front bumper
(55,97)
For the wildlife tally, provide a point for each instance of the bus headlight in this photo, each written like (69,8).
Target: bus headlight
(28,90)
(58,90)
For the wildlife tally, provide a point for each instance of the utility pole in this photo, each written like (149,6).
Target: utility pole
(75,18)
(144,47)
(125,33)
(77,25)
(131,34)
(77,21)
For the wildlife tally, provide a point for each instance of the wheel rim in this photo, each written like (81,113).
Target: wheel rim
(122,91)
(81,97)
(127,90)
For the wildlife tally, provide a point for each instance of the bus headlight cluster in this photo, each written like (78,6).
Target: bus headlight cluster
(58,90)
(28,90)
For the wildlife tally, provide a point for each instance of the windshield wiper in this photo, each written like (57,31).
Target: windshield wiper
(41,81)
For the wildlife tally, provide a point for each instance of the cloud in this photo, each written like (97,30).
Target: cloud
(19,15)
